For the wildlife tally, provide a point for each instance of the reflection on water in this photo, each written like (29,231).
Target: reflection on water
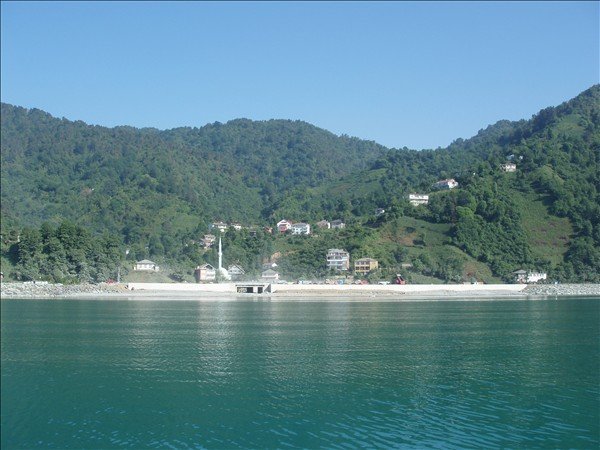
(92,374)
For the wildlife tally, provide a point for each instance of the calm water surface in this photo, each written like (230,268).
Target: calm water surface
(107,374)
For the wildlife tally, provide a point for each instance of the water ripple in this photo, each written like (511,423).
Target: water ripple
(300,375)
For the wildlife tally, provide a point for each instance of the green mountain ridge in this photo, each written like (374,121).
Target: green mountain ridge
(156,191)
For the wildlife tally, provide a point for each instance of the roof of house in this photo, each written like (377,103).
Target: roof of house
(146,261)
(235,267)
(365,260)
(207,266)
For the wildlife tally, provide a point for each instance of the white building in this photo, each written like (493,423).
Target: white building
(324,224)
(418,199)
(270,275)
(300,228)
(146,265)
(338,259)
(522,276)
(508,167)
(221,226)
(235,272)
(534,277)
(338,224)
(449,183)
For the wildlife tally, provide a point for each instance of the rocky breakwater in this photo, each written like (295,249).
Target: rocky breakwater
(41,289)
(563,289)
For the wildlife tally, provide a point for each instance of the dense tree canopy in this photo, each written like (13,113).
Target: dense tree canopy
(78,195)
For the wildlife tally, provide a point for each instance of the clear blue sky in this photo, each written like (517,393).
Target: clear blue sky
(415,74)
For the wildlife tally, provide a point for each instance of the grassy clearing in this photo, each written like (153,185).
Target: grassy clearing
(136,276)
(410,232)
(549,235)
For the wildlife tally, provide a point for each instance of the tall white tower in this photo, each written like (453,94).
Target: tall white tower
(222,272)
(220,255)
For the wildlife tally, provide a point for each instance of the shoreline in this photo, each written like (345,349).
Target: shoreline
(298,293)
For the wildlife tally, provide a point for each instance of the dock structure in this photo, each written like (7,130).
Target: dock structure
(252,288)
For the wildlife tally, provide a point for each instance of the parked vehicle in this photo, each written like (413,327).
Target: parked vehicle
(399,279)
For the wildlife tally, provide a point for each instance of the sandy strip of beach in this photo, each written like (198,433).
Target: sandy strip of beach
(294,292)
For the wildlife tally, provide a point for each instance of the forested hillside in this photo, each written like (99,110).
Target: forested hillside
(138,182)
(155,192)
(557,154)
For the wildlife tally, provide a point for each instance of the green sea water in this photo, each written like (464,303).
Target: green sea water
(260,374)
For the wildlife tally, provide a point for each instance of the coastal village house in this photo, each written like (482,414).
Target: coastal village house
(146,265)
(379,211)
(449,183)
(508,167)
(522,276)
(268,266)
(221,226)
(236,226)
(338,259)
(284,225)
(270,275)
(300,228)
(324,224)
(205,272)
(338,224)
(418,199)
(365,265)
(208,240)
(236,272)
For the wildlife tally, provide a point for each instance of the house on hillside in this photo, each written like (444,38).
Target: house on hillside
(338,259)
(522,276)
(418,199)
(449,183)
(269,275)
(338,224)
(268,266)
(365,265)
(236,272)
(300,228)
(205,272)
(379,211)
(208,240)
(324,224)
(221,226)
(146,265)
(508,167)
(284,225)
